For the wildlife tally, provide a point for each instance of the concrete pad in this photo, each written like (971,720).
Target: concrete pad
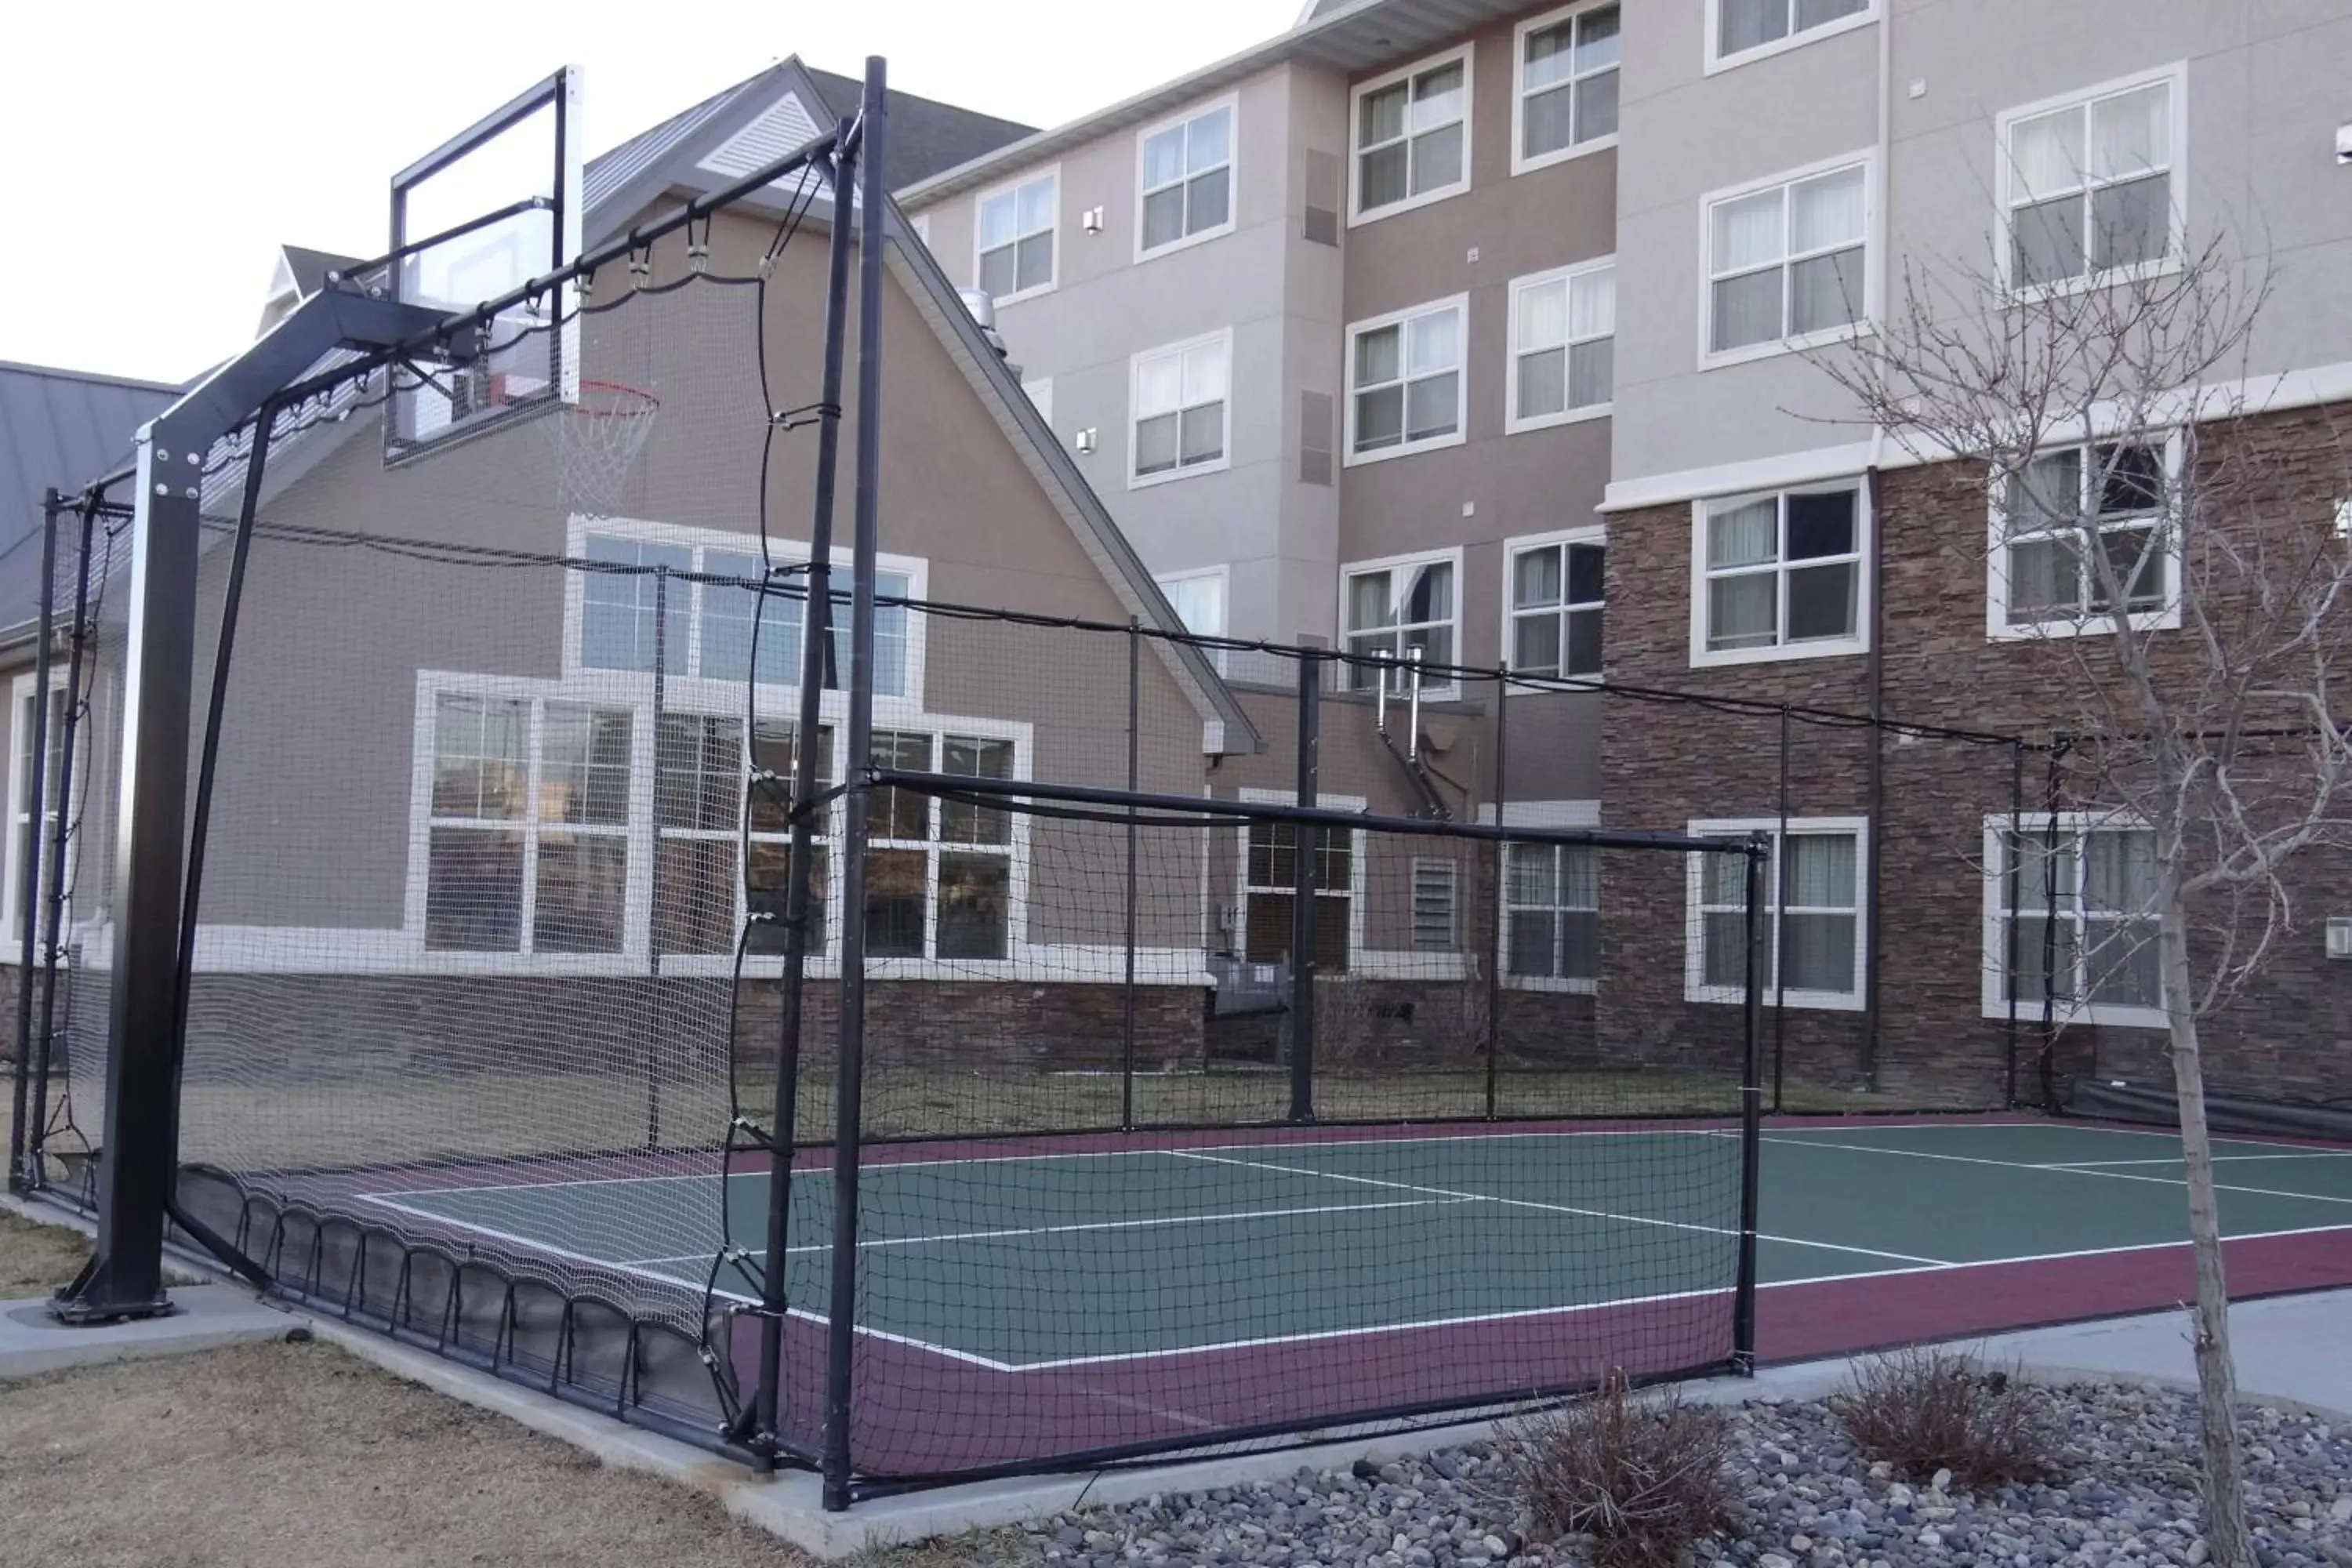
(208,1318)
(2289,1349)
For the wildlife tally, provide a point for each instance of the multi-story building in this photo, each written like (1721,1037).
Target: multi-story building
(1376,333)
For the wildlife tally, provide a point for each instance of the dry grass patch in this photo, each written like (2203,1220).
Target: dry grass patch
(1645,1479)
(34,1259)
(1927,1410)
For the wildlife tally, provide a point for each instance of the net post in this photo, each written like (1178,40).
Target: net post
(1134,784)
(653,926)
(1780,981)
(816,618)
(75,716)
(1751,1121)
(1304,842)
(841,1328)
(29,897)
(2013,876)
(2047,1069)
(1502,853)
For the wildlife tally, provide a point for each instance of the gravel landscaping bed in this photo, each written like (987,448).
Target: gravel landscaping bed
(2124,1493)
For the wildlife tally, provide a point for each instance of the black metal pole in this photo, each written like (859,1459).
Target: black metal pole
(817,621)
(841,1317)
(1751,1125)
(124,1277)
(29,897)
(1496,954)
(653,921)
(68,831)
(2014,875)
(1134,784)
(2048,1073)
(1779,983)
(1306,840)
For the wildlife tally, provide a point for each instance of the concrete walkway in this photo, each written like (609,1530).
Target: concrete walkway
(2290,1350)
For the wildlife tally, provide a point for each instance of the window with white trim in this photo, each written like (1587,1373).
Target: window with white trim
(1270,891)
(1811,923)
(1182,410)
(1744,26)
(1567,85)
(1199,600)
(1018,237)
(1780,575)
(1396,607)
(1405,386)
(1563,345)
(938,874)
(1412,135)
(702,893)
(708,599)
(2090,185)
(2109,498)
(1187,185)
(2074,898)
(1789,264)
(529,835)
(31,801)
(1556,588)
(1551,913)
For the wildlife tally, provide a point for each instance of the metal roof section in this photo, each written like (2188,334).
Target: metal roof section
(1343,36)
(58,429)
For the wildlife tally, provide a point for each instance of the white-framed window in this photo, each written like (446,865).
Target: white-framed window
(704,890)
(1780,575)
(1551,916)
(528,836)
(704,583)
(1738,31)
(1395,606)
(1553,594)
(1199,600)
(2042,582)
(1184,180)
(1563,345)
(1813,919)
(1566,82)
(1269,887)
(1412,136)
(939,880)
(2073,896)
(1407,389)
(32,806)
(1788,262)
(2090,185)
(1017,239)
(1182,410)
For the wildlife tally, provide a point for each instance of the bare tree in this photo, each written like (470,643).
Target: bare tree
(2167,541)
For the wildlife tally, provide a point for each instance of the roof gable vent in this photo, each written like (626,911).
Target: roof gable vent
(780,128)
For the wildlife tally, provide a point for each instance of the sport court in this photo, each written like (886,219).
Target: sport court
(1423,1261)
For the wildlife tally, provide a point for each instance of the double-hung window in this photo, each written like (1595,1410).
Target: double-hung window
(1563,345)
(2070,905)
(1739,29)
(1018,232)
(1556,585)
(2078,525)
(703,887)
(1412,136)
(1787,263)
(1567,85)
(2089,184)
(1811,924)
(939,875)
(1551,913)
(1270,892)
(1780,576)
(528,837)
(1187,181)
(1399,611)
(1183,412)
(1406,392)
(32,805)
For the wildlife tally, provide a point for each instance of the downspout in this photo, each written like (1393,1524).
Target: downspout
(1882,227)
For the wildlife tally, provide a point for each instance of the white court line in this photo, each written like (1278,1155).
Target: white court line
(2060,1170)
(2217,1159)
(1561,1208)
(1091,1225)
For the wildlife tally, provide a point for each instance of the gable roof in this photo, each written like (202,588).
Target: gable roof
(58,429)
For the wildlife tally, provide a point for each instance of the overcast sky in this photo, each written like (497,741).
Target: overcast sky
(153,155)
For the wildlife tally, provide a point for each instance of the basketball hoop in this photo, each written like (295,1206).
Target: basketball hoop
(597,439)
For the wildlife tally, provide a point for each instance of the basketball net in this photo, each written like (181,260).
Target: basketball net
(597,440)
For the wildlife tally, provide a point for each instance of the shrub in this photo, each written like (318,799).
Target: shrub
(1647,1480)
(1924,1410)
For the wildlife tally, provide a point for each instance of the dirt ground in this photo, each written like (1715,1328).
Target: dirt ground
(297,1453)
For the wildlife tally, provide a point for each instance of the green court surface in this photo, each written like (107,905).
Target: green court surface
(1112,1254)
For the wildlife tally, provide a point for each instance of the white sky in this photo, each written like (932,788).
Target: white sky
(154,153)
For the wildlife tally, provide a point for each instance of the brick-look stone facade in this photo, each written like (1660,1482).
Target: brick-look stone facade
(1666,764)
